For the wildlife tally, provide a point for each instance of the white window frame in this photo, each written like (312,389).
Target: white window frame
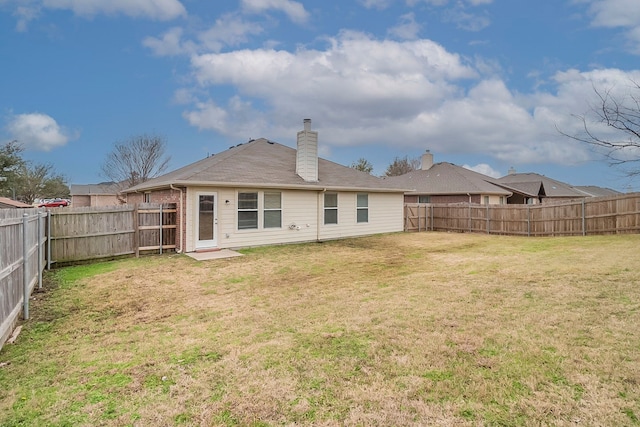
(364,208)
(331,208)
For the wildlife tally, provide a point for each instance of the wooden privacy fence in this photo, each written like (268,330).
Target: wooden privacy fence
(29,237)
(22,254)
(590,216)
(80,234)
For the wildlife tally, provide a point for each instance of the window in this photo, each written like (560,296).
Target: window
(147,197)
(247,211)
(330,208)
(363,208)
(424,199)
(486,200)
(272,210)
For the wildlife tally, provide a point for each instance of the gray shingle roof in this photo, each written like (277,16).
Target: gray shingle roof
(552,188)
(91,189)
(265,164)
(595,191)
(448,179)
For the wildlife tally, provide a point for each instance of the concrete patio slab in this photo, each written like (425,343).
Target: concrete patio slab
(209,255)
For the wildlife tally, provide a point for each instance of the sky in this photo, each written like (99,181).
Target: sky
(485,84)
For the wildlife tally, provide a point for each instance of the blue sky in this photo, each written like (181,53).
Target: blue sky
(480,83)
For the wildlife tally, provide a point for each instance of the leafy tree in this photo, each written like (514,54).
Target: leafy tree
(403,165)
(38,182)
(10,162)
(363,165)
(136,160)
(620,114)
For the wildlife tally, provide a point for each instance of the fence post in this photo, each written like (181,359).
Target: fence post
(39,243)
(528,221)
(488,226)
(25,268)
(432,208)
(161,223)
(584,224)
(48,240)
(136,232)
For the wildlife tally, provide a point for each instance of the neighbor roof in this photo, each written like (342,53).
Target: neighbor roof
(9,203)
(552,188)
(104,188)
(448,179)
(595,191)
(262,163)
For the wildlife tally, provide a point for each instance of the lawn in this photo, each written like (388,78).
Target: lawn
(392,330)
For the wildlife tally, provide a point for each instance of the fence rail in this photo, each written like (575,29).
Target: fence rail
(592,216)
(29,237)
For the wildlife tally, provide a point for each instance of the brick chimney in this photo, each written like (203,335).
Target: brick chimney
(427,161)
(307,153)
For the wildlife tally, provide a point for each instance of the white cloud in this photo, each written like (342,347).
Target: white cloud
(293,9)
(618,14)
(484,169)
(37,131)
(161,10)
(407,29)
(169,44)
(406,94)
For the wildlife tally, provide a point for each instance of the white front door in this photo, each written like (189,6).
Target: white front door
(207,221)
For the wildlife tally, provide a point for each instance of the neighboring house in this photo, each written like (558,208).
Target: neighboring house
(594,191)
(262,193)
(103,194)
(551,190)
(448,183)
(6,203)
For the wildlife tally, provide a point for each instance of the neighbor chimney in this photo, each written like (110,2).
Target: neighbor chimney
(512,171)
(307,154)
(427,160)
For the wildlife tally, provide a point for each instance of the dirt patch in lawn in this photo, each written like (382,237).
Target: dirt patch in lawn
(401,329)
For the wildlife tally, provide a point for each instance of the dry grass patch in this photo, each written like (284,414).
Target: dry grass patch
(402,329)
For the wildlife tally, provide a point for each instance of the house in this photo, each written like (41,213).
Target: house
(595,191)
(103,194)
(551,190)
(262,192)
(6,203)
(448,183)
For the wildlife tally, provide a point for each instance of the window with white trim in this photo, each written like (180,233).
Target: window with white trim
(362,207)
(424,199)
(272,209)
(247,211)
(330,208)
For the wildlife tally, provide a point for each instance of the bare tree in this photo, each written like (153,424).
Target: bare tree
(136,160)
(620,114)
(403,165)
(363,165)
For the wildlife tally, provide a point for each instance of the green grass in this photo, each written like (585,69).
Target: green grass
(401,329)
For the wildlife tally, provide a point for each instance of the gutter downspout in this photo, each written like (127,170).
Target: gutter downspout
(181,210)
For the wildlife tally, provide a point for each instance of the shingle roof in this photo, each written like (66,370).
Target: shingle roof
(90,189)
(265,164)
(9,203)
(552,188)
(446,178)
(595,191)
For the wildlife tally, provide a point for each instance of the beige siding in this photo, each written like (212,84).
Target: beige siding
(385,216)
(301,213)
